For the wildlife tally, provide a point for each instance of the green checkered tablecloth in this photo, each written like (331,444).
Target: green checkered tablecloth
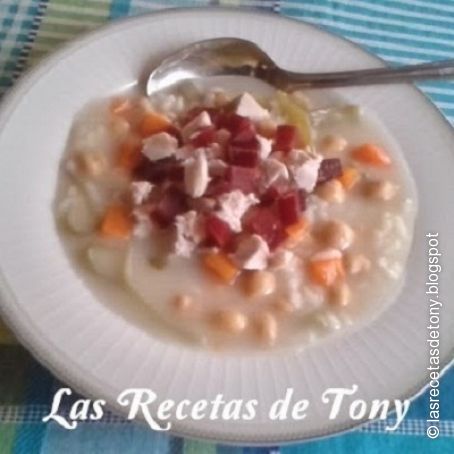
(399,31)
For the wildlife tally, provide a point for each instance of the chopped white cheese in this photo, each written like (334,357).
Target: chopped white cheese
(188,233)
(248,107)
(202,120)
(196,174)
(159,146)
(252,253)
(306,174)
(140,190)
(233,205)
(274,170)
(265,147)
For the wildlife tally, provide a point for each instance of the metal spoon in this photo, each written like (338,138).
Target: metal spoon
(232,56)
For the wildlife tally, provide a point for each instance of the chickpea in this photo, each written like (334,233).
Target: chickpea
(380,190)
(229,321)
(332,191)
(283,306)
(357,263)
(259,283)
(266,327)
(183,304)
(340,295)
(333,144)
(337,234)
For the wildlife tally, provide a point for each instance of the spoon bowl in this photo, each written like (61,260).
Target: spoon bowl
(213,57)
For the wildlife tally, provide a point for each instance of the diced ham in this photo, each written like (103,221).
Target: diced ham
(265,222)
(218,232)
(244,154)
(274,171)
(265,147)
(329,169)
(252,253)
(159,146)
(306,174)
(159,171)
(222,136)
(204,137)
(171,203)
(241,128)
(140,190)
(289,207)
(285,138)
(233,206)
(248,107)
(270,196)
(201,121)
(188,233)
(196,174)
(242,178)
(218,185)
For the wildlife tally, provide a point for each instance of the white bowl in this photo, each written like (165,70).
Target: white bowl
(102,351)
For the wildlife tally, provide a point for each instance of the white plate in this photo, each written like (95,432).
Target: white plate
(101,351)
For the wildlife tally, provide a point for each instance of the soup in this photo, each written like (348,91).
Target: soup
(238,221)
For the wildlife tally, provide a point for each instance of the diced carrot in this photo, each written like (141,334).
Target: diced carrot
(326,272)
(153,123)
(116,223)
(220,265)
(350,176)
(129,154)
(371,154)
(120,106)
(297,230)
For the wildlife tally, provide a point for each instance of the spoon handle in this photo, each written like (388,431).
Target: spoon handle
(434,70)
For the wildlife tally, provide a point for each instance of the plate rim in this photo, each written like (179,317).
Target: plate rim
(15,319)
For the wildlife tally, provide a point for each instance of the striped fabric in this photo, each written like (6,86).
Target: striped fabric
(399,31)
